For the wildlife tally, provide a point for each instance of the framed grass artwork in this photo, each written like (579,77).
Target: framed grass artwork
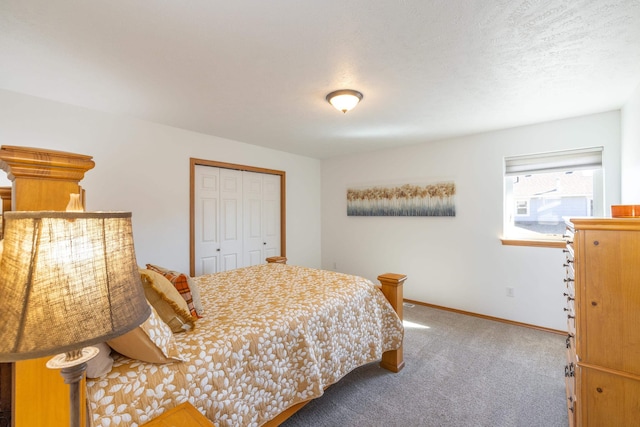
(437,199)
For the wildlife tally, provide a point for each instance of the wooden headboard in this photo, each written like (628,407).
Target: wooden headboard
(41,180)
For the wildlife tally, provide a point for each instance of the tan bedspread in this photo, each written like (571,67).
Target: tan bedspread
(272,336)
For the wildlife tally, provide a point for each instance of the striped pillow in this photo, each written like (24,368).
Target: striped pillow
(181,283)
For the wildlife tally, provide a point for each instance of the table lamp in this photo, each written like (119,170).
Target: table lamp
(67,280)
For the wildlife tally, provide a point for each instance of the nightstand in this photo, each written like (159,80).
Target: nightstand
(183,415)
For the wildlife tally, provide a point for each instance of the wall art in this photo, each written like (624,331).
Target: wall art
(437,199)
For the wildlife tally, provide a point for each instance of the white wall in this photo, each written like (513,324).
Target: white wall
(143,167)
(630,166)
(460,262)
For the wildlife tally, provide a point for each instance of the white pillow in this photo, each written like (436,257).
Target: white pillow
(102,363)
(195,295)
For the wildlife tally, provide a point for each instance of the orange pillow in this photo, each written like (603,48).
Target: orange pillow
(181,283)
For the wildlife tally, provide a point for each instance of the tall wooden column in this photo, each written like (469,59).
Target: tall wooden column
(392,288)
(41,180)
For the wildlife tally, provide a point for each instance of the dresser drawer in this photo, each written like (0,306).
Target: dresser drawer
(570,387)
(570,344)
(570,307)
(608,399)
(570,380)
(608,300)
(571,320)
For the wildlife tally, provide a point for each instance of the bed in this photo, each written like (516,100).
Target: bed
(272,336)
(297,331)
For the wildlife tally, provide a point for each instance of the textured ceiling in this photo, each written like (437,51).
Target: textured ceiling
(258,71)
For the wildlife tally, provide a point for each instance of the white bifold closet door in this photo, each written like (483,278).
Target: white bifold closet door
(261,210)
(236,218)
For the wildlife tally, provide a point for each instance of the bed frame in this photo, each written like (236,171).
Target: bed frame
(42,180)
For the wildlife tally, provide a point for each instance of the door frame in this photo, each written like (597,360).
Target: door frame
(202,162)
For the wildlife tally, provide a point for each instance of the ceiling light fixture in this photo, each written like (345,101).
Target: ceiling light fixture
(344,100)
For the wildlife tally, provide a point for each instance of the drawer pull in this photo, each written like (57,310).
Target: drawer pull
(568,370)
(571,317)
(568,279)
(594,303)
(599,390)
(596,243)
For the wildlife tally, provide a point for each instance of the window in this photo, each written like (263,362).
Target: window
(542,190)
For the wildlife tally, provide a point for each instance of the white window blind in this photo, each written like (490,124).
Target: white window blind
(587,158)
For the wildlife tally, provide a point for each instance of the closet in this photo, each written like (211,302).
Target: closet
(237,216)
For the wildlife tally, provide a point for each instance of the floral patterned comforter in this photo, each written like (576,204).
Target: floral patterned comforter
(272,336)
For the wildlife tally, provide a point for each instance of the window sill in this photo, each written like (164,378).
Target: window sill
(535,243)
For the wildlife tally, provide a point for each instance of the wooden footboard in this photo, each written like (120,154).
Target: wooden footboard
(392,288)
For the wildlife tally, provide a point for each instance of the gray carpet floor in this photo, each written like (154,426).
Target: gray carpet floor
(460,371)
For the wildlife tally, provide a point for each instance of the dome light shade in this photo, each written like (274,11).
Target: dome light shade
(344,100)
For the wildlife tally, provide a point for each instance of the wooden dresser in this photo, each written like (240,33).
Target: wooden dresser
(603,308)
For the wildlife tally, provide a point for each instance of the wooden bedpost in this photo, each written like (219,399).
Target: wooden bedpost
(277,260)
(42,180)
(392,289)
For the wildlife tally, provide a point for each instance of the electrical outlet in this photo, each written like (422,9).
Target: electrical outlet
(510,292)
